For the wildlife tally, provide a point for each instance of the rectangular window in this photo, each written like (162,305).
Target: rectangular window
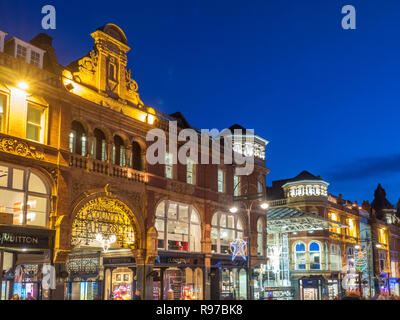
(236,186)
(190,173)
(221,180)
(2,112)
(34,123)
(35,58)
(169,166)
(21,52)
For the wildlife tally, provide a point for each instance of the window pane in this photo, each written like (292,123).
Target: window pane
(18,179)
(3,177)
(160,212)
(11,207)
(194,217)
(184,213)
(172,211)
(239,224)
(36,211)
(34,115)
(36,184)
(33,132)
(2,111)
(214,221)
(231,222)
(222,221)
(195,238)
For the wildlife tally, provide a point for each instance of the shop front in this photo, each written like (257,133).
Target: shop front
(394,286)
(120,278)
(228,278)
(24,251)
(102,264)
(311,287)
(178,276)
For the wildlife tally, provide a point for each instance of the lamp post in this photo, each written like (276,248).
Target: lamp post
(248,201)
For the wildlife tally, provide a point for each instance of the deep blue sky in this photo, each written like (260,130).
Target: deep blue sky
(327,99)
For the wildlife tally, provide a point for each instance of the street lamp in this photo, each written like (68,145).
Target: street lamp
(23,85)
(248,202)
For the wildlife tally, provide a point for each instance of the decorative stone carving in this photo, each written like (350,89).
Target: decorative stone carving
(20,148)
(182,188)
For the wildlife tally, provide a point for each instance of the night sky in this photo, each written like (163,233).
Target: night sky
(327,99)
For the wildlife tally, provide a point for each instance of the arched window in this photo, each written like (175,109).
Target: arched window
(119,152)
(136,158)
(178,227)
(300,256)
(24,197)
(336,259)
(315,256)
(99,146)
(78,139)
(225,228)
(260,237)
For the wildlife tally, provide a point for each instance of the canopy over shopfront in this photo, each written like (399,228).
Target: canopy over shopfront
(286,220)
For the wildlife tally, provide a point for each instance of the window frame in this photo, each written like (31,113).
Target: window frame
(190,224)
(218,227)
(222,182)
(296,259)
(3,116)
(319,255)
(169,163)
(43,121)
(26,192)
(192,173)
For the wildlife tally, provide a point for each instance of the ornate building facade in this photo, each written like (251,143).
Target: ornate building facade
(74,178)
(355,252)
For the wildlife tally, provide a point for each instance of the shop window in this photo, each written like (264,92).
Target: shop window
(335,257)
(119,152)
(3,104)
(35,123)
(190,172)
(100,146)
(315,256)
(78,139)
(178,227)
(225,228)
(221,180)
(23,203)
(136,158)
(169,166)
(260,237)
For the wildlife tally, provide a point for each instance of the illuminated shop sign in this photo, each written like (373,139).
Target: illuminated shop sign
(16,240)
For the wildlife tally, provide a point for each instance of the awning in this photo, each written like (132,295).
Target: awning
(286,220)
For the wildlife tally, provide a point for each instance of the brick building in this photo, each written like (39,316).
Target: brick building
(75,184)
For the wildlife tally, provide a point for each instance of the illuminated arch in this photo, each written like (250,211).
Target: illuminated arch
(108,217)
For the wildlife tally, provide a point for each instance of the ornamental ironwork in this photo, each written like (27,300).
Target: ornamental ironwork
(106,217)
(83,266)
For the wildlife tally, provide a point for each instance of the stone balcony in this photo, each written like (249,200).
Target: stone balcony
(91,165)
